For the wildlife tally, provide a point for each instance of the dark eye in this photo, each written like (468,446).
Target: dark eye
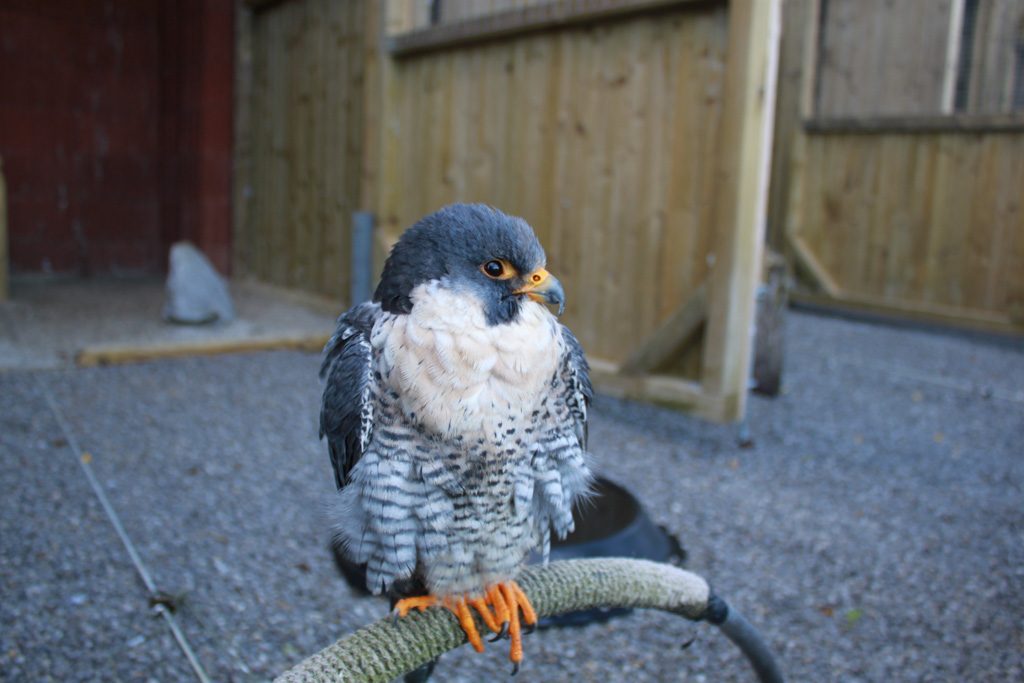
(494,269)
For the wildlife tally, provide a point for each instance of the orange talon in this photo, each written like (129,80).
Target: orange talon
(529,615)
(480,605)
(420,602)
(516,651)
(466,622)
(500,609)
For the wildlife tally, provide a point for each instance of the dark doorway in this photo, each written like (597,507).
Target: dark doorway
(115,132)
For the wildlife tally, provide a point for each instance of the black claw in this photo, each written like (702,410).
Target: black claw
(503,633)
(394,617)
(689,642)
(515,668)
(529,628)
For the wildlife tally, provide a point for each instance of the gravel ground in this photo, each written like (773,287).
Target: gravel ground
(874,531)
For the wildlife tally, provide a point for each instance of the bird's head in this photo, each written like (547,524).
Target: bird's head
(474,249)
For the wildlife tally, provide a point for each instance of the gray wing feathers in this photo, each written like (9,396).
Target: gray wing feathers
(576,370)
(346,410)
(559,469)
(385,512)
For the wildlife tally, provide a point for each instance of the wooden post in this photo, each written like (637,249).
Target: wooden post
(742,178)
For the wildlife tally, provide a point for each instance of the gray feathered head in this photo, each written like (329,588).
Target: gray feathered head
(473,248)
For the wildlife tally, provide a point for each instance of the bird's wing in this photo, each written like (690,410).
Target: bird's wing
(559,469)
(576,375)
(346,410)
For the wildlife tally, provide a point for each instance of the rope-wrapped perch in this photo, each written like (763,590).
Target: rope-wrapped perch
(387,649)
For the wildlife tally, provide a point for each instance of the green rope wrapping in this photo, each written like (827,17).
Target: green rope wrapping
(385,650)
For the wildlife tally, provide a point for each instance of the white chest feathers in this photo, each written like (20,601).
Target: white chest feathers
(455,374)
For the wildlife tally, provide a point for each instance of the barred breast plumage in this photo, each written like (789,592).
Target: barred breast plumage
(474,456)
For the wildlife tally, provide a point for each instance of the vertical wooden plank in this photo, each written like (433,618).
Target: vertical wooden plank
(741,201)
(652,189)
(984,211)
(811,56)
(279,64)
(372,105)
(564,140)
(332,179)
(330,171)
(389,182)
(591,188)
(298,228)
(795,15)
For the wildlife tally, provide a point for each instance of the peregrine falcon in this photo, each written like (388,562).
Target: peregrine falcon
(455,411)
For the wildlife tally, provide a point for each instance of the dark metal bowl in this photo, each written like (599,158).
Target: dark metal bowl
(611,523)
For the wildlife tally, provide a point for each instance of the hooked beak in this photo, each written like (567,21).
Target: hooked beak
(544,287)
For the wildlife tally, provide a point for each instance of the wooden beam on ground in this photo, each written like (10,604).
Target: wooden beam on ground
(671,335)
(812,267)
(740,201)
(671,391)
(119,355)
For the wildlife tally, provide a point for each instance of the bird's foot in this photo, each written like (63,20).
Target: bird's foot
(499,609)
(508,600)
(457,606)
(403,606)
(420,602)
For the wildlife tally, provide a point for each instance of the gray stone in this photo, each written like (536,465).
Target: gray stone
(196,292)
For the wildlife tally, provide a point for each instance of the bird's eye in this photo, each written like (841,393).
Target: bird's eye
(494,269)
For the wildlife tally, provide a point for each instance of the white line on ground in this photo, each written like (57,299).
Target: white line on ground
(140,567)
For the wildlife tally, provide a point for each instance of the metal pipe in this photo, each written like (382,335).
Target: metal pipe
(742,633)
(362,258)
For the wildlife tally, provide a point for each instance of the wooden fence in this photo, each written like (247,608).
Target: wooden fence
(299,141)
(900,189)
(633,135)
